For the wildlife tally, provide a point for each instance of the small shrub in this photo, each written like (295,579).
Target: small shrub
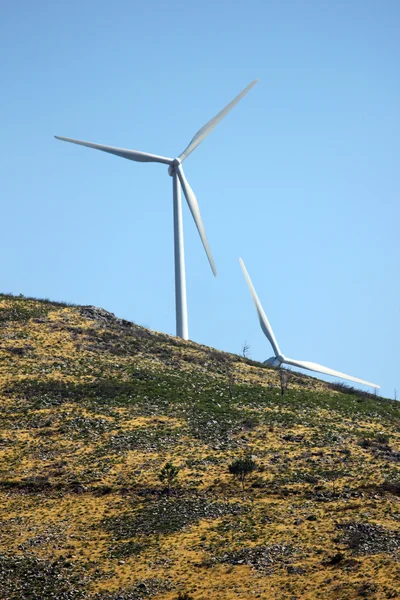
(335,559)
(382,438)
(392,486)
(184,596)
(365,443)
(249,423)
(169,475)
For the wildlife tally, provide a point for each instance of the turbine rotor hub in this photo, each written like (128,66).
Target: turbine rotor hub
(172,168)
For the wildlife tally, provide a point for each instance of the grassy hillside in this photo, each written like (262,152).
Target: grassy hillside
(93,407)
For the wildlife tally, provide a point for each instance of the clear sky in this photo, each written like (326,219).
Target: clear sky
(301,179)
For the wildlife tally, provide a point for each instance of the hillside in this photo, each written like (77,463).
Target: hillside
(92,407)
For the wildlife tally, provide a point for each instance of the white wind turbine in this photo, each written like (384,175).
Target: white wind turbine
(175,170)
(279,358)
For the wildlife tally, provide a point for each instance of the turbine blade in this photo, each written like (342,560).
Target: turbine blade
(129,154)
(320,369)
(194,209)
(208,127)
(265,326)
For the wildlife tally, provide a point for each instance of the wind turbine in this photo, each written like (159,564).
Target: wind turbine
(279,358)
(175,170)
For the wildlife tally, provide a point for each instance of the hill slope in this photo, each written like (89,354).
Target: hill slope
(92,407)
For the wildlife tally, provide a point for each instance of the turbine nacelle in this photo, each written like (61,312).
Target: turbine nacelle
(274,361)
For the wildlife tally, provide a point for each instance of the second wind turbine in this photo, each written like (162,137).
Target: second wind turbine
(179,180)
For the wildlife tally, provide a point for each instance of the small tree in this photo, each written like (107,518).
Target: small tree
(231,381)
(332,475)
(241,467)
(245,350)
(284,380)
(169,475)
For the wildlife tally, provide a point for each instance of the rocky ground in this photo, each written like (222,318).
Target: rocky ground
(92,408)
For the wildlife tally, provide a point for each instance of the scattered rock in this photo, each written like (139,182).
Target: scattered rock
(365,538)
(261,558)
(295,570)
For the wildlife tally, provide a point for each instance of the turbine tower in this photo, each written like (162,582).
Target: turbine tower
(279,359)
(179,180)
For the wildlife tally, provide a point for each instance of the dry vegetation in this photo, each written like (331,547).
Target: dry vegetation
(92,408)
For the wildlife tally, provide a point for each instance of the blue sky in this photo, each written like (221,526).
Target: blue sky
(301,179)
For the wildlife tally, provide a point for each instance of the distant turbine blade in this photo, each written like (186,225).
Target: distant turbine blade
(208,127)
(129,154)
(265,326)
(320,369)
(194,209)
